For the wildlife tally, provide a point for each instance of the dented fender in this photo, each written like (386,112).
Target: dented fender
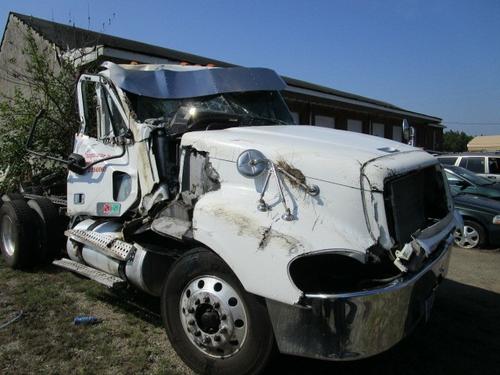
(259,246)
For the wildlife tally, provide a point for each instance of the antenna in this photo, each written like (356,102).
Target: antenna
(88,15)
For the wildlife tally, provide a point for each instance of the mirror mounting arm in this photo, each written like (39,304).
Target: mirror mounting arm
(75,163)
(29,142)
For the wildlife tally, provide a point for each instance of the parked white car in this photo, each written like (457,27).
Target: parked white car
(483,164)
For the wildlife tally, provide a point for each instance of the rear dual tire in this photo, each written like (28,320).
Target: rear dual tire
(19,240)
(9,197)
(30,232)
(50,229)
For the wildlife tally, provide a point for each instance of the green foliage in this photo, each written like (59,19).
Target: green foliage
(48,84)
(455,141)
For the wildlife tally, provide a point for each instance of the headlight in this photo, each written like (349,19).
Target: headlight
(496,219)
(338,272)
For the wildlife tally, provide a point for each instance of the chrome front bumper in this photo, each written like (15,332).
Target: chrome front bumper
(360,324)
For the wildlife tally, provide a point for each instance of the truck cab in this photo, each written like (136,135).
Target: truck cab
(194,185)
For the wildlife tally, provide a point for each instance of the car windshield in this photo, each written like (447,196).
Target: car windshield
(470,176)
(256,107)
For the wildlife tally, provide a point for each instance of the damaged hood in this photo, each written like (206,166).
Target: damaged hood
(336,156)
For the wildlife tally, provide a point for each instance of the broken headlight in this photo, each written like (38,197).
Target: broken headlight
(339,273)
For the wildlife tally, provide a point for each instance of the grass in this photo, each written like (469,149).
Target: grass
(462,337)
(130,340)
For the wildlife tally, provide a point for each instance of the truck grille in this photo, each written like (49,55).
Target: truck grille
(415,201)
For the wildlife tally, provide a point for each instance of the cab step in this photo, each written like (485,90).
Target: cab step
(101,277)
(108,244)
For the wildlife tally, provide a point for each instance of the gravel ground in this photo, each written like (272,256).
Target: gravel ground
(462,336)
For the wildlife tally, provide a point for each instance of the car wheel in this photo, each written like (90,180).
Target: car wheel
(212,323)
(18,234)
(471,236)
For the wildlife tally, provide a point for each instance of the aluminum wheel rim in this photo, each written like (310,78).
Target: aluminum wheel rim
(467,238)
(8,233)
(211,299)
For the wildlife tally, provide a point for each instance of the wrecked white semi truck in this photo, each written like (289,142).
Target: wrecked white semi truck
(191,184)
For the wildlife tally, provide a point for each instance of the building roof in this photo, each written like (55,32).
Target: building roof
(69,37)
(484,143)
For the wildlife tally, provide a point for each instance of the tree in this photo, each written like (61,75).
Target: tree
(455,141)
(50,86)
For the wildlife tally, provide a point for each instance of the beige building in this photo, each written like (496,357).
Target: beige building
(484,143)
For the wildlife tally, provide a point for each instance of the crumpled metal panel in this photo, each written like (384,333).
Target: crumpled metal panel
(360,324)
(189,83)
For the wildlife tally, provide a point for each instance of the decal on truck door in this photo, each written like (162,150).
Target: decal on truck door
(108,209)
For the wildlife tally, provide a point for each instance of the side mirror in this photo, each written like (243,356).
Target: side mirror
(77,163)
(408,133)
(406,130)
(463,184)
(251,163)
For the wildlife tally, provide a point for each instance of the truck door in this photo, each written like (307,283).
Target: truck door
(108,188)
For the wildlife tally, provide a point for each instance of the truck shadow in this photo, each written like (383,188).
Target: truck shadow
(462,337)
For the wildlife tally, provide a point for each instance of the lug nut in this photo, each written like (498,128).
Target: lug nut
(216,338)
(206,300)
(197,302)
(223,317)
(191,322)
(197,333)
(191,310)
(216,305)
(223,330)
(207,340)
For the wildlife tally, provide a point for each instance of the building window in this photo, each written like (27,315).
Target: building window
(355,126)
(325,121)
(397,133)
(296,118)
(378,129)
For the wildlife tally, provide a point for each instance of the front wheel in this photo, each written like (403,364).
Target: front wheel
(212,323)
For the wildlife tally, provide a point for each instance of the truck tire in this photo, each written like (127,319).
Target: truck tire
(212,323)
(471,236)
(51,233)
(18,234)
(9,197)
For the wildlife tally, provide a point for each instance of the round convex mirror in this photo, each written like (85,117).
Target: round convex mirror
(251,163)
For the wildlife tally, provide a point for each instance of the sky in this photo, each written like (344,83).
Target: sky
(440,57)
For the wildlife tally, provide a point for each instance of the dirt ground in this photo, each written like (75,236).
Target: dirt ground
(462,337)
